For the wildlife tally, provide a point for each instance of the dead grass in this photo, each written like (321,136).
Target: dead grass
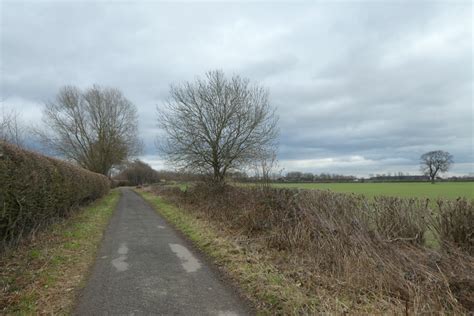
(43,274)
(342,252)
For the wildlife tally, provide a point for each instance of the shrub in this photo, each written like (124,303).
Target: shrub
(401,219)
(35,190)
(456,224)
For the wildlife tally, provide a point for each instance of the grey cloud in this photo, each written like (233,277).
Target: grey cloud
(384,81)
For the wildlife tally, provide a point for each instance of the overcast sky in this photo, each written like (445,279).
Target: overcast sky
(360,86)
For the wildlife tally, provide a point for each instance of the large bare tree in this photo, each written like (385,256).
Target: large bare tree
(97,127)
(216,124)
(434,162)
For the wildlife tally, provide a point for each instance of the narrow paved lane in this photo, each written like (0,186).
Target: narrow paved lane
(145,267)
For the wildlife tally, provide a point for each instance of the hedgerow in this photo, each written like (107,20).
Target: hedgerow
(36,190)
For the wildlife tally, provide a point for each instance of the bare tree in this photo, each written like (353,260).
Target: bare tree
(97,128)
(216,124)
(434,162)
(11,130)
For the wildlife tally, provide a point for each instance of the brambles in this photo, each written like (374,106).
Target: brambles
(36,190)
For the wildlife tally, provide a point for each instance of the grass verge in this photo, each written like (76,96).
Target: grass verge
(42,275)
(260,281)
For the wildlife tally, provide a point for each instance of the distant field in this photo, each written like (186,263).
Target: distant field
(449,190)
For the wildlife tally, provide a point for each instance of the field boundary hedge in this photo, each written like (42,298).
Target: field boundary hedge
(36,190)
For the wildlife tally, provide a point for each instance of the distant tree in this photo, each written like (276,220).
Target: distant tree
(11,130)
(97,128)
(325,176)
(294,175)
(138,172)
(435,162)
(307,177)
(217,124)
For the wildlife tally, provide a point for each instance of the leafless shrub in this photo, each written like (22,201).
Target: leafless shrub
(456,224)
(401,219)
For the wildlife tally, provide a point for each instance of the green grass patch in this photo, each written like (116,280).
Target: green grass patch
(261,282)
(448,190)
(43,275)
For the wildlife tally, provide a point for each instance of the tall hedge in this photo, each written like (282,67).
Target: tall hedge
(35,190)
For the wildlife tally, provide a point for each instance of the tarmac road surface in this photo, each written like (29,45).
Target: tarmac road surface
(144,267)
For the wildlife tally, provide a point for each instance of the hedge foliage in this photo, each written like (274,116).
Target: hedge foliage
(35,190)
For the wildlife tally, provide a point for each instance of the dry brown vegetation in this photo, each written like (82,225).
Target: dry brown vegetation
(353,254)
(37,190)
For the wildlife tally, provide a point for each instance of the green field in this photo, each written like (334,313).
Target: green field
(449,190)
